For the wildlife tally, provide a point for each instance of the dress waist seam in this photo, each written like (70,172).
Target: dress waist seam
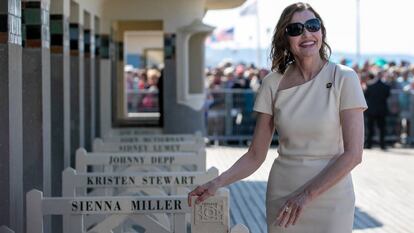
(301,158)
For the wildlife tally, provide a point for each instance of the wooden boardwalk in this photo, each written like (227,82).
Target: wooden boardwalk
(384,187)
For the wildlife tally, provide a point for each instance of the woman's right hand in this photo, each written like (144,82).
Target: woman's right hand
(203,192)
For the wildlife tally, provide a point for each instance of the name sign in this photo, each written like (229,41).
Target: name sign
(142,147)
(163,138)
(148,148)
(84,159)
(125,206)
(174,204)
(149,139)
(144,180)
(133,160)
(134,132)
(141,179)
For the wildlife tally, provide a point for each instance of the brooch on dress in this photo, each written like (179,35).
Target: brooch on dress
(328,85)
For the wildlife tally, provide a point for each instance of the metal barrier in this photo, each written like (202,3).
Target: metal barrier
(144,100)
(230,117)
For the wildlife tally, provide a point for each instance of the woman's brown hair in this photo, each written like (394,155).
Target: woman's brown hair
(280,54)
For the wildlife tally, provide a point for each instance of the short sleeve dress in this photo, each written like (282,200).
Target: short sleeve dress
(310,137)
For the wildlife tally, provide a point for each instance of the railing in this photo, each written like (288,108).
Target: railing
(143,101)
(230,117)
(400,105)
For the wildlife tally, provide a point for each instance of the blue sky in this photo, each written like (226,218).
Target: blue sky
(386,26)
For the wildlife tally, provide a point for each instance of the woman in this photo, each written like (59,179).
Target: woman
(317,108)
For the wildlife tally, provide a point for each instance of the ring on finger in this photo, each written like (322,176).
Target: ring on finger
(287,209)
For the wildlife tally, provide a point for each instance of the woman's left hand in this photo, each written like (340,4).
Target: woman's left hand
(290,212)
(203,192)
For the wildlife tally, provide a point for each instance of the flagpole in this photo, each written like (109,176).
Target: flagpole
(253,9)
(358,32)
(258,48)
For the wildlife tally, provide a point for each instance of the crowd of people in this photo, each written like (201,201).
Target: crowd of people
(142,87)
(387,87)
(399,77)
(230,76)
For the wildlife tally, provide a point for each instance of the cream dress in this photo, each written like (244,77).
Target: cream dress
(307,121)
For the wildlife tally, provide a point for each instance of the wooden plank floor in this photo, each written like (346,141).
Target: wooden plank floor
(384,188)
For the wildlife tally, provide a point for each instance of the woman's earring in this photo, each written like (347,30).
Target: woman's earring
(285,57)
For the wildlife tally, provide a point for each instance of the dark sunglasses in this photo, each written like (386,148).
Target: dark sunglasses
(296,29)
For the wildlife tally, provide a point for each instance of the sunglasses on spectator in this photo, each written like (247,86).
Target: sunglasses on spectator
(296,29)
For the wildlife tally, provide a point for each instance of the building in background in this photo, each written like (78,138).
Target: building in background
(64,81)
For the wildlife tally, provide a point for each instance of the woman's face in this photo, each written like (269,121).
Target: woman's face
(308,43)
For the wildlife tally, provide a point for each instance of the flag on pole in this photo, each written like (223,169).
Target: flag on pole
(226,34)
(250,9)
(221,35)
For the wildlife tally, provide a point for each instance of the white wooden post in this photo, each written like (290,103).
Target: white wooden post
(69,182)
(212,215)
(80,163)
(34,212)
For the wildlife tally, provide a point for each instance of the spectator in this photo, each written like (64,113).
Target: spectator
(253,80)
(142,80)
(229,80)
(153,76)
(150,100)
(376,95)
(241,81)
(129,82)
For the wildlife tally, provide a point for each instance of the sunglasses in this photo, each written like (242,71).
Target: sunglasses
(296,29)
